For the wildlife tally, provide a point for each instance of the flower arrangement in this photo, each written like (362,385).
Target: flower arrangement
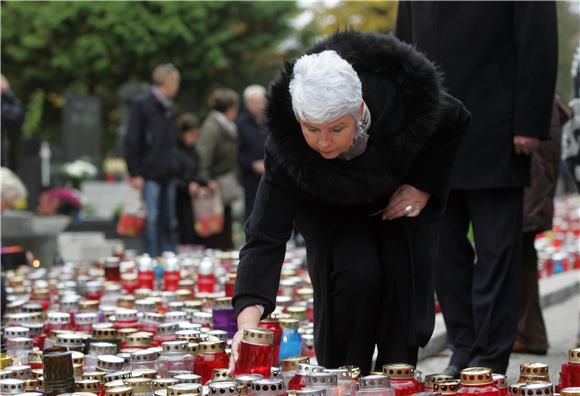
(78,171)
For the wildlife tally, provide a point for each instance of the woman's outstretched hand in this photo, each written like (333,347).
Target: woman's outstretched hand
(406,201)
(248,318)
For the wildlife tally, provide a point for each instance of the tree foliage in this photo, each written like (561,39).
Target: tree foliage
(95,47)
(368,16)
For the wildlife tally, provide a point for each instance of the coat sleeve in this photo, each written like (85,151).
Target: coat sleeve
(207,146)
(245,159)
(536,38)
(432,166)
(404,28)
(134,146)
(267,230)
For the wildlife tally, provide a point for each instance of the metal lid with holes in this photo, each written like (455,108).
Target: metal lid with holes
(19,343)
(167,328)
(574,355)
(104,333)
(153,317)
(306,368)
(342,374)
(18,319)
(189,335)
(86,318)
(95,375)
(476,376)
(16,332)
(140,385)
(188,378)
(174,347)
(223,303)
(6,374)
(160,392)
(31,307)
(37,373)
(70,340)
(35,357)
(514,389)
(182,389)
(88,305)
(125,315)
(323,379)
(114,384)
(399,370)
(126,302)
(140,338)
(119,391)
(536,389)
(275,372)
(534,368)
(219,334)
(163,383)
(35,329)
(430,379)
(117,376)
(289,324)
(145,355)
(570,391)
(175,316)
(446,387)
(224,388)
(212,347)
(145,305)
(193,304)
(58,318)
(77,357)
(21,372)
(110,363)
(173,373)
(102,348)
(201,317)
(268,386)
(297,312)
(258,336)
(311,392)
(375,382)
(499,380)
(221,374)
(354,371)
(11,386)
(30,385)
(145,373)
(87,385)
(291,364)
(247,379)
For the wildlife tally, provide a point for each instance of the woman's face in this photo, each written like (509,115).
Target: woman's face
(332,138)
(190,137)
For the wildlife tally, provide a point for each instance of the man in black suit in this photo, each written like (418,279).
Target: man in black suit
(500,60)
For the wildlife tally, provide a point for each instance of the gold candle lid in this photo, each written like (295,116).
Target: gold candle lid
(291,364)
(5,361)
(446,387)
(183,294)
(30,385)
(259,336)
(212,347)
(574,355)
(35,357)
(182,389)
(86,385)
(290,324)
(219,375)
(476,376)
(433,378)
(536,389)
(163,383)
(570,391)
(515,388)
(119,391)
(126,302)
(78,357)
(104,333)
(140,385)
(88,305)
(114,384)
(534,368)
(95,375)
(399,370)
(140,338)
(145,373)
(37,373)
(524,379)
(354,371)
(297,312)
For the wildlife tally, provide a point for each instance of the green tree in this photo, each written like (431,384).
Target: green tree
(568,40)
(95,47)
(368,16)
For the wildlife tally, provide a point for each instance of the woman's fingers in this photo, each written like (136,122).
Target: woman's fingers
(403,209)
(234,353)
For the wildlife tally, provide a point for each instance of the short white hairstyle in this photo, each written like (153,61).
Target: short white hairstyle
(252,90)
(324,87)
(12,189)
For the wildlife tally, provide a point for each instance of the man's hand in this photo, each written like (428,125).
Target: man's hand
(249,318)
(525,145)
(406,201)
(258,167)
(137,182)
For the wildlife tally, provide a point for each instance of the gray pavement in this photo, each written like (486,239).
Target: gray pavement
(562,321)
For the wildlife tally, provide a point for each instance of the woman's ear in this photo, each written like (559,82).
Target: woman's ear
(361,110)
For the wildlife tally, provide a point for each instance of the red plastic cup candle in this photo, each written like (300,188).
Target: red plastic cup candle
(500,382)
(212,355)
(477,380)
(171,275)
(403,379)
(206,280)
(255,352)
(113,269)
(146,276)
(570,374)
(271,323)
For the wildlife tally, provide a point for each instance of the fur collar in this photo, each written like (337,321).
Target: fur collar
(401,88)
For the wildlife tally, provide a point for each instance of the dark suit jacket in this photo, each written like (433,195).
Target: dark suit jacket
(499,59)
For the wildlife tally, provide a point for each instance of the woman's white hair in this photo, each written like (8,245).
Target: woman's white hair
(12,189)
(324,87)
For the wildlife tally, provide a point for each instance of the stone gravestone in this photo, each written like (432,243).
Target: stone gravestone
(127,94)
(83,128)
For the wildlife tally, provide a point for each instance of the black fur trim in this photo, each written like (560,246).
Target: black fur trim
(398,131)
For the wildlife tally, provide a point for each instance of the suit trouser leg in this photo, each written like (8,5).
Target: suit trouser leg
(531,326)
(496,215)
(452,275)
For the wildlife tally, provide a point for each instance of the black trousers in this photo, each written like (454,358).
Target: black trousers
(365,307)
(478,289)
(531,326)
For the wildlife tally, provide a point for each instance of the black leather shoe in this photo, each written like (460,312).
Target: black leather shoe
(452,371)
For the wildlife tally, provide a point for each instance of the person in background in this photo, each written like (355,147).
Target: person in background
(12,193)
(218,148)
(150,152)
(538,216)
(500,60)
(12,120)
(189,183)
(253,134)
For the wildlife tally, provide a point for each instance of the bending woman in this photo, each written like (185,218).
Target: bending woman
(362,140)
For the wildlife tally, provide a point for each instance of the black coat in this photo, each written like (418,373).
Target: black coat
(189,166)
(251,148)
(151,140)
(415,132)
(499,59)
